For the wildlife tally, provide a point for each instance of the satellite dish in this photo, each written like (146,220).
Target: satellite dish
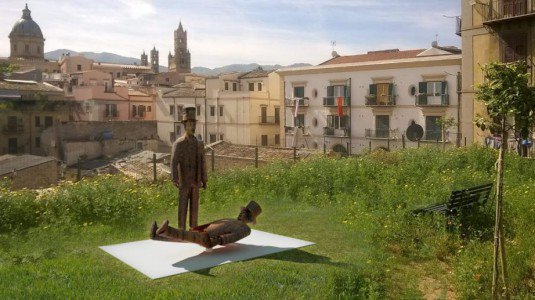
(414,132)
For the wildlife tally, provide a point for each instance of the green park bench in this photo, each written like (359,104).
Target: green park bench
(459,200)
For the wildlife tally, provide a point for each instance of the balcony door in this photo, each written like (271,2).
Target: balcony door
(511,8)
(382,126)
(263,114)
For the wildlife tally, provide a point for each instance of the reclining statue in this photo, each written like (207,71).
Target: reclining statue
(220,232)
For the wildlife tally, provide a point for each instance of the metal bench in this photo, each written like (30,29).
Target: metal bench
(460,199)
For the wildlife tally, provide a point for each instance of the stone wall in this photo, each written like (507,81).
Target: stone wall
(40,176)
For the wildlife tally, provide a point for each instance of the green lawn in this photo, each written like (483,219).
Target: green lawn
(356,210)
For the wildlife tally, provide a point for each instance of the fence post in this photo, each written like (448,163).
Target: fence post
(418,143)
(403,140)
(256,157)
(79,169)
(154,175)
(213,159)
(370,146)
(295,154)
(388,143)
(465,141)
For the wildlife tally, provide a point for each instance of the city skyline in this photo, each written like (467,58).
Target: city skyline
(268,32)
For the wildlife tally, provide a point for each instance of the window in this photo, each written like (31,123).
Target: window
(37,121)
(221,111)
(198,110)
(277,115)
(213,138)
(221,137)
(382,126)
(141,111)
(27,48)
(334,121)
(171,110)
(264,140)
(14,47)
(277,139)
(118,74)
(251,86)
(234,86)
(300,120)
(134,111)
(433,93)
(79,67)
(149,108)
(514,47)
(337,91)
(260,86)
(48,121)
(111,110)
(212,110)
(299,91)
(37,142)
(38,50)
(381,94)
(179,110)
(12,147)
(263,114)
(433,131)
(226,86)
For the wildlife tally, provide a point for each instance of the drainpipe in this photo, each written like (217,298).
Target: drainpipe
(350,114)
(459,105)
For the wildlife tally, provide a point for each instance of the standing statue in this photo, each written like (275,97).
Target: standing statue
(220,232)
(188,169)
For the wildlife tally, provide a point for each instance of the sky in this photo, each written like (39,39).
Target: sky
(223,32)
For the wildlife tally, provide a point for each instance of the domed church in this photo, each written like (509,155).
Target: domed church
(26,38)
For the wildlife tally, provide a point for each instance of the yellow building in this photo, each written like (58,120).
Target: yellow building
(492,30)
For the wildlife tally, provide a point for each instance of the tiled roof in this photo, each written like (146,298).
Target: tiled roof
(374,56)
(26,85)
(255,74)
(7,165)
(185,92)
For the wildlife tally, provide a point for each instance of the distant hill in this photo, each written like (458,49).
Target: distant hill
(106,57)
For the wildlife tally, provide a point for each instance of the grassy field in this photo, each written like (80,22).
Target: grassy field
(356,210)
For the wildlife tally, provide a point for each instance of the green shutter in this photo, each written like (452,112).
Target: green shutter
(444,90)
(391,96)
(422,90)
(346,89)
(373,89)
(330,91)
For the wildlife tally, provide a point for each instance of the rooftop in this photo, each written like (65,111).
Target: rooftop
(27,85)
(390,54)
(8,163)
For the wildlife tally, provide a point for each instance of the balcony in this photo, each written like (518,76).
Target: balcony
(502,11)
(265,120)
(430,100)
(380,134)
(291,102)
(337,132)
(384,100)
(13,128)
(333,101)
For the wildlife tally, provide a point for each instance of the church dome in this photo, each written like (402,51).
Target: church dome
(26,27)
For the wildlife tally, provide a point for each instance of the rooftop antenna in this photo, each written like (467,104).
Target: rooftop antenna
(333,44)
(334,53)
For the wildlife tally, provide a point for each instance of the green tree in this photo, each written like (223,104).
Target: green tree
(6,68)
(510,103)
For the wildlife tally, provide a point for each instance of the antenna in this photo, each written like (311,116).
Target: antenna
(333,44)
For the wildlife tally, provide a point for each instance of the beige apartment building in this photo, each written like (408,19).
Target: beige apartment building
(492,30)
(243,108)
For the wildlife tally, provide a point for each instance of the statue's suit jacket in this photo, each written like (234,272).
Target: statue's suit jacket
(229,230)
(188,163)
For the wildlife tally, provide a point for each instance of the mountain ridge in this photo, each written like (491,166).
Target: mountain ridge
(108,57)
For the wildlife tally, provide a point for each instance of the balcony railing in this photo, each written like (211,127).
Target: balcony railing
(384,100)
(432,135)
(504,9)
(333,101)
(380,134)
(268,120)
(338,132)
(425,100)
(303,102)
(13,128)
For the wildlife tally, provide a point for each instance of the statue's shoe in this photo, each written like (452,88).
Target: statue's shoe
(153,229)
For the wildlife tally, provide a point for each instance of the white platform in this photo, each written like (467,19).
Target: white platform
(158,259)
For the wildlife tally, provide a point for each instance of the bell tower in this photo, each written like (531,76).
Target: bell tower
(155,60)
(144,59)
(181,61)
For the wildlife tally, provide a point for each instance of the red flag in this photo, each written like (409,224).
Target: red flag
(340,111)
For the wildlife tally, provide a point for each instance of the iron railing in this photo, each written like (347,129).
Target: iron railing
(425,100)
(503,9)
(380,133)
(388,100)
(303,102)
(333,101)
(339,132)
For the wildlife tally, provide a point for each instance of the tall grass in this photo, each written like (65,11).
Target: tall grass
(375,192)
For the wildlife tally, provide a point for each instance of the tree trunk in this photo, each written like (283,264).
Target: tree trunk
(499,246)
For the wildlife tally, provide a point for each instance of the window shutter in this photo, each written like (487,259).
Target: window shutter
(373,89)
(346,91)
(444,90)
(391,95)
(330,121)
(422,90)
(330,91)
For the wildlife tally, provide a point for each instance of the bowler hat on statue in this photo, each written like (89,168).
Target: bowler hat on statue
(189,114)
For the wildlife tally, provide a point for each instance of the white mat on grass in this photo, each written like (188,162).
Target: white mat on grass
(158,259)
